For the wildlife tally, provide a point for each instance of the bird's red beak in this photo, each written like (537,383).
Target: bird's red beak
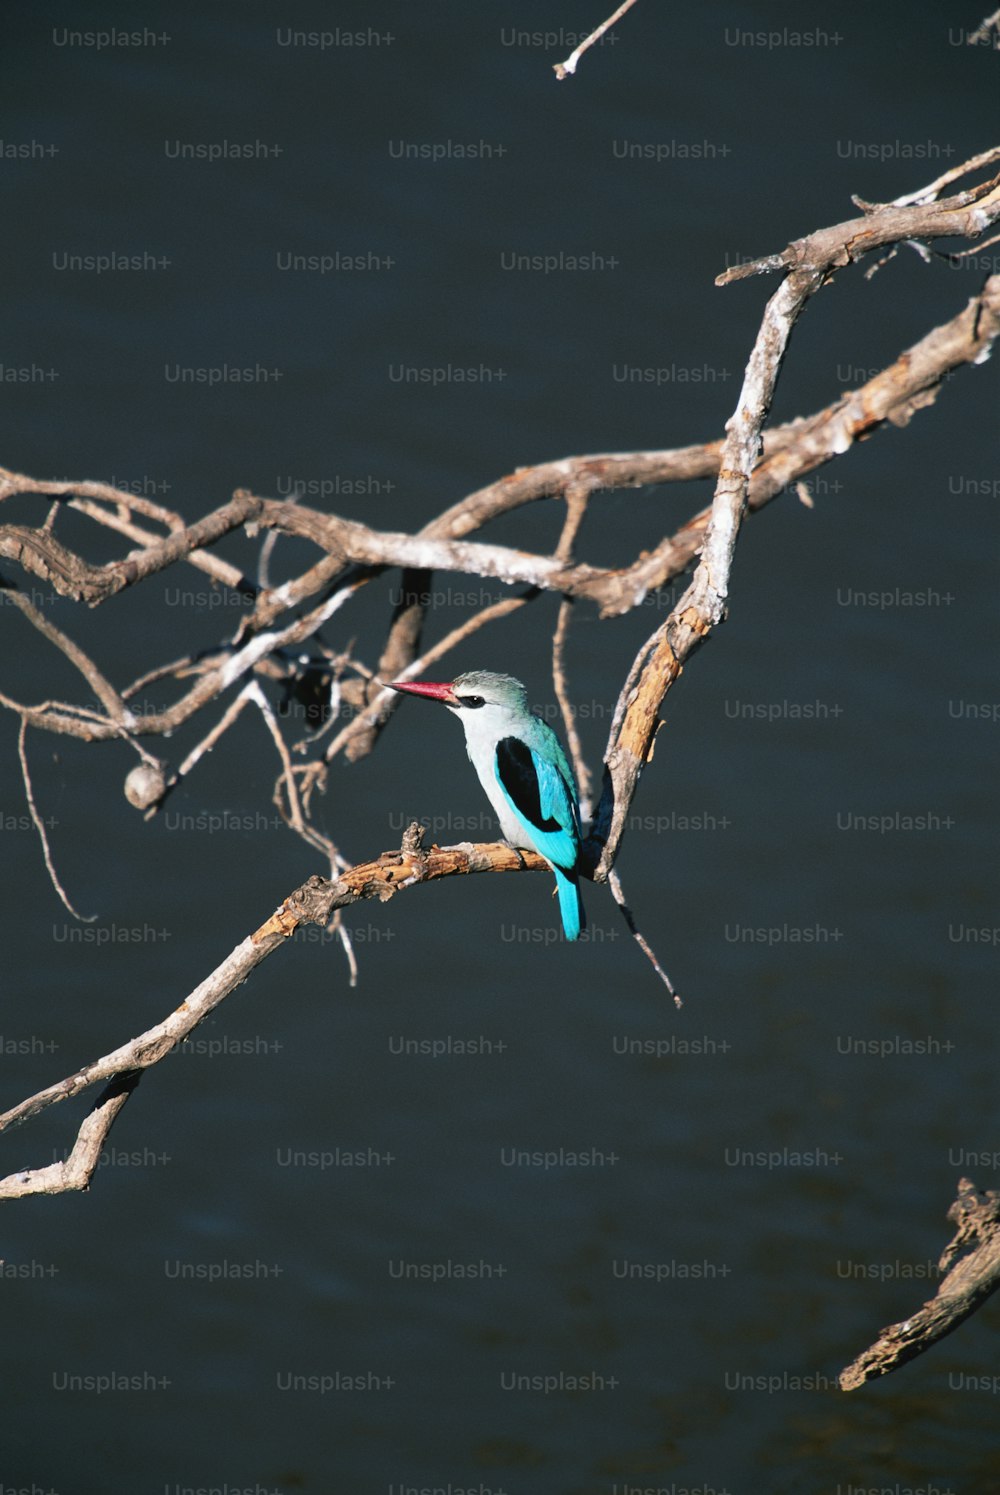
(426,688)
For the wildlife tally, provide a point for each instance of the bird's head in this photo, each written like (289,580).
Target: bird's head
(496,699)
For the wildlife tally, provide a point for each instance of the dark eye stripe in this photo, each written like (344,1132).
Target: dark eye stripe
(472,701)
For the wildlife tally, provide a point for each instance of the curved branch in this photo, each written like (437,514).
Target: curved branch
(40,553)
(790,452)
(312,903)
(895,394)
(966,1287)
(918,215)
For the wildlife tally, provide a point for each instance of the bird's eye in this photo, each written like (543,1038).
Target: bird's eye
(472,701)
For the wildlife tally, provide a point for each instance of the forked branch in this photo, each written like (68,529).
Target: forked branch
(750,467)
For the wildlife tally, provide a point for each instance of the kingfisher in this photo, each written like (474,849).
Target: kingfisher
(524,771)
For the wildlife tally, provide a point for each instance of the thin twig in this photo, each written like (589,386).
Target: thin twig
(584,782)
(207,743)
(963,254)
(39,824)
(99,684)
(344,935)
(953,174)
(563,69)
(253,693)
(577,499)
(618,893)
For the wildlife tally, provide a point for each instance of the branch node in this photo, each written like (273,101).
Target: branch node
(412,843)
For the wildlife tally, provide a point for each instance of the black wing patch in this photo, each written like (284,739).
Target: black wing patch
(516,770)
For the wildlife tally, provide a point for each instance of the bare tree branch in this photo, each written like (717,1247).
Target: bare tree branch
(102,688)
(815,259)
(39,824)
(78,1168)
(965,1288)
(918,215)
(73,577)
(312,903)
(618,894)
(564,69)
(750,466)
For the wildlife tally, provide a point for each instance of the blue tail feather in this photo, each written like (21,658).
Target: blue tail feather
(570,905)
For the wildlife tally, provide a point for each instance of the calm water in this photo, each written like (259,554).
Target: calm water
(499,1218)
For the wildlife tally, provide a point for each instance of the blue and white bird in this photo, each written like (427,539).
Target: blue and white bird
(524,771)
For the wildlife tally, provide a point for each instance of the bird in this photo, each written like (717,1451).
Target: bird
(524,771)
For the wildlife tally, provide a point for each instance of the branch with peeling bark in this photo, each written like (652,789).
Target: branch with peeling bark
(969,1282)
(313,903)
(659,662)
(790,453)
(355,554)
(750,467)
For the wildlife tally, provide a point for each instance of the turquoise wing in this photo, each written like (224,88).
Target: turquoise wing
(542,795)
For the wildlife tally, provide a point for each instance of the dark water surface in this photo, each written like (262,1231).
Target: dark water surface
(499,1218)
